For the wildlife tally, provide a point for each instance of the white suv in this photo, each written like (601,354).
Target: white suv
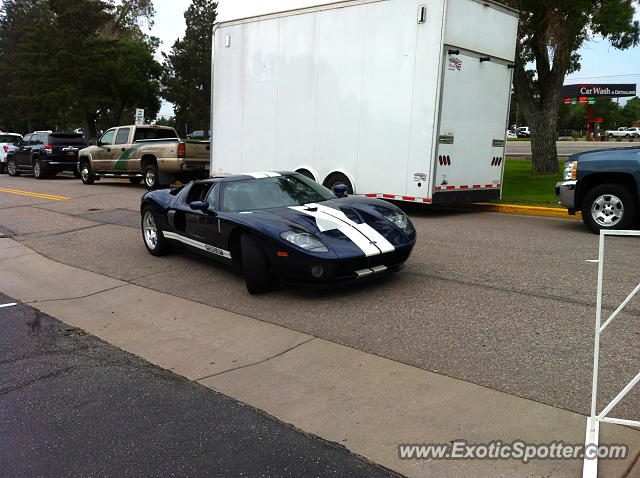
(8,143)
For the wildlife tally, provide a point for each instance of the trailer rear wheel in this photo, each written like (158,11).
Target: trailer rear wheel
(338,179)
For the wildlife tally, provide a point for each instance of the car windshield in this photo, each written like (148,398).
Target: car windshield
(9,138)
(68,139)
(280,191)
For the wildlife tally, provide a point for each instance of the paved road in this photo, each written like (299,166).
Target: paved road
(567,148)
(73,406)
(499,300)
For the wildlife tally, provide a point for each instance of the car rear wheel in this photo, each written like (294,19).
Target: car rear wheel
(38,170)
(86,173)
(151,177)
(12,168)
(255,266)
(338,179)
(609,206)
(154,240)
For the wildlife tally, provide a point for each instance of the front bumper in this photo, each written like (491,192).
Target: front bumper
(339,271)
(565,193)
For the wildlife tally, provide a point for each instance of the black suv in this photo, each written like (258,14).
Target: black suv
(45,154)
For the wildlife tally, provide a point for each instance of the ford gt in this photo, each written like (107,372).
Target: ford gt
(279,226)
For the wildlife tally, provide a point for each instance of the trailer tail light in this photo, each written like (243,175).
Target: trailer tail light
(444,160)
(6,148)
(182,150)
(48,149)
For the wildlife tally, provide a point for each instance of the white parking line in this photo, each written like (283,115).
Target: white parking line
(7,305)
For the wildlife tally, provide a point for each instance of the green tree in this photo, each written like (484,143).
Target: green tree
(186,75)
(549,34)
(630,113)
(78,62)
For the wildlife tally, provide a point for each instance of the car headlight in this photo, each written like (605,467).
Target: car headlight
(570,170)
(304,240)
(400,220)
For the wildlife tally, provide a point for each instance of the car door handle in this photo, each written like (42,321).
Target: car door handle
(124,149)
(107,149)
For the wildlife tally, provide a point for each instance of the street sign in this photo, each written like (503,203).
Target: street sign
(601,90)
(139,116)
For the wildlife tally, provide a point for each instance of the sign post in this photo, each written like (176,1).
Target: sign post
(139,116)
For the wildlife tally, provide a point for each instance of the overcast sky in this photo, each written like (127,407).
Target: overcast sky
(600,62)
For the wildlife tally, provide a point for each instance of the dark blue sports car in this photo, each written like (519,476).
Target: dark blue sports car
(279,226)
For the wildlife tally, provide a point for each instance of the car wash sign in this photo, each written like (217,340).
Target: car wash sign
(598,91)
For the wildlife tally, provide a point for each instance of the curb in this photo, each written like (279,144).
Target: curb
(527,210)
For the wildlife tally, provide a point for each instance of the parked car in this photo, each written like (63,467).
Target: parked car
(274,226)
(46,153)
(152,153)
(623,132)
(523,132)
(200,134)
(604,185)
(8,143)
(511,134)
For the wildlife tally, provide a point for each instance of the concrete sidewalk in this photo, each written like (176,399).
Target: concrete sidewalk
(365,402)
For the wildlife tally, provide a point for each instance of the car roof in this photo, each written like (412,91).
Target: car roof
(247,176)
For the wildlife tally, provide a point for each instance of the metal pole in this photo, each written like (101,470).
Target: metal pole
(596,345)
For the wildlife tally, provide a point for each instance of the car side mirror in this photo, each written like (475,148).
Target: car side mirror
(199,205)
(340,190)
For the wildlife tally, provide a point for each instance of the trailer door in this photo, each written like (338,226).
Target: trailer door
(472,130)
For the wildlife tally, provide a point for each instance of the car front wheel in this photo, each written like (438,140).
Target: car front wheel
(609,206)
(86,173)
(255,265)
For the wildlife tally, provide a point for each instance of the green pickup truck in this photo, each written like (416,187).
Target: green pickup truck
(154,154)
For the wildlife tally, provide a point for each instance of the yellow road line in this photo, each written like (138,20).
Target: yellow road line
(36,195)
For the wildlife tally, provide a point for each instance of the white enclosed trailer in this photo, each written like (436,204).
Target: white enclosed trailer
(399,99)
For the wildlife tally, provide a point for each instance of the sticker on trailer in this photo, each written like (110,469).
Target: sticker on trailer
(455,64)
(420,177)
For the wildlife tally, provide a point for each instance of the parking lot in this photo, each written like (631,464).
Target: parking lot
(503,301)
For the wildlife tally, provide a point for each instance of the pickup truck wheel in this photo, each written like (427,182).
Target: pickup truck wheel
(86,173)
(151,177)
(12,168)
(255,267)
(609,206)
(135,180)
(154,240)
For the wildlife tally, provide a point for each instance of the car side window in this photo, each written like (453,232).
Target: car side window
(123,136)
(41,138)
(198,192)
(26,141)
(212,197)
(107,138)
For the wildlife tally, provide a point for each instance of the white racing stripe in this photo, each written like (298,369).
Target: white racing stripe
(200,245)
(368,240)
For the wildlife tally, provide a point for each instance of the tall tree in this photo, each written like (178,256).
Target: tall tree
(550,33)
(186,75)
(78,62)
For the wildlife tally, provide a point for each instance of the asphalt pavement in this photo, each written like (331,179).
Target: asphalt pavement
(72,406)
(503,301)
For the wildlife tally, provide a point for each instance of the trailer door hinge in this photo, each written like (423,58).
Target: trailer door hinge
(422,14)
